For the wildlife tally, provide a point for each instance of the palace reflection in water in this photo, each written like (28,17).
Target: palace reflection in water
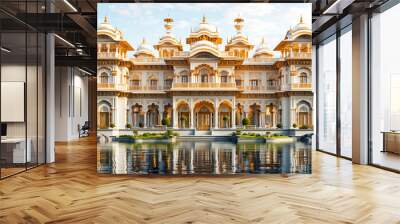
(203,158)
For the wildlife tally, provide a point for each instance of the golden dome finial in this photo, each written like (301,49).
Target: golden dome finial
(105,19)
(143,41)
(238,23)
(301,19)
(262,41)
(168,23)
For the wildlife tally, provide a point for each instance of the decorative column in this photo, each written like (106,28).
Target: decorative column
(216,113)
(175,115)
(191,108)
(233,118)
(160,117)
(262,119)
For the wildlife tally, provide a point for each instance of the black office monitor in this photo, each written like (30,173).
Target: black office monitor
(3,129)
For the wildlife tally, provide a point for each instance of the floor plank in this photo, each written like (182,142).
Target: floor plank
(70,191)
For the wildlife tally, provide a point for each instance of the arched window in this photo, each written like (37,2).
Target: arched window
(224,77)
(153,82)
(204,75)
(303,78)
(104,78)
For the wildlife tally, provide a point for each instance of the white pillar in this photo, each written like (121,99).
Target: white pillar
(191,107)
(175,115)
(216,114)
(145,119)
(50,99)
(360,90)
(233,117)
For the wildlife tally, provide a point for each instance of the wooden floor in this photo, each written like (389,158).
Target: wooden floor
(70,191)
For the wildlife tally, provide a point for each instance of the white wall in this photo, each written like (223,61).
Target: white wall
(71,103)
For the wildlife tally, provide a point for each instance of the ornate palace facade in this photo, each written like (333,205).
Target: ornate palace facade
(204,88)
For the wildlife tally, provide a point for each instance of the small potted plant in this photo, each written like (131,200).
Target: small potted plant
(294,125)
(166,121)
(245,121)
(141,125)
(279,126)
(112,125)
(225,119)
(128,126)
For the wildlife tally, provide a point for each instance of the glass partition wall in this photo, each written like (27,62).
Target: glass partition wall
(334,94)
(326,102)
(385,89)
(22,77)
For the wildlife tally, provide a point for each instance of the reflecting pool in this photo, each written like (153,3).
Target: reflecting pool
(203,157)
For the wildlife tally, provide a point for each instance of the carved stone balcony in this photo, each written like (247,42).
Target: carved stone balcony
(147,89)
(109,55)
(204,86)
(301,86)
(298,55)
(105,86)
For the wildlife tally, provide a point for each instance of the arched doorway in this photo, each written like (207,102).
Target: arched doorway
(104,118)
(204,115)
(304,114)
(183,115)
(152,115)
(225,115)
(136,112)
(254,115)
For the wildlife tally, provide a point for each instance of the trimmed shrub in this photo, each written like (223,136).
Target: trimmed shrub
(304,127)
(141,125)
(279,126)
(129,126)
(294,125)
(166,121)
(135,132)
(245,121)
(112,125)
(267,133)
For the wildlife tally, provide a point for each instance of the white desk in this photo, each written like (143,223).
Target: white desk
(18,149)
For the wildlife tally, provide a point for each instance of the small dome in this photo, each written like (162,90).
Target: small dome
(144,48)
(205,26)
(105,25)
(263,49)
(301,25)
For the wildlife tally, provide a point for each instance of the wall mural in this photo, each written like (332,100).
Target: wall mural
(204,88)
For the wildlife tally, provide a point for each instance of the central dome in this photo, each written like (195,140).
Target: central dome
(205,26)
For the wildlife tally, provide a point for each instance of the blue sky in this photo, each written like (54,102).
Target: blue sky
(145,20)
